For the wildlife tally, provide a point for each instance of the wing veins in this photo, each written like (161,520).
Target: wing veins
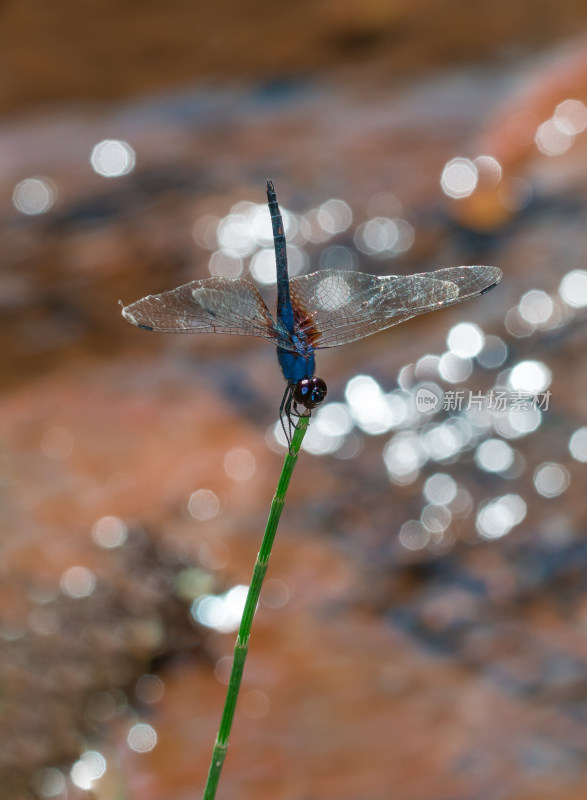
(212,305)
(369,304)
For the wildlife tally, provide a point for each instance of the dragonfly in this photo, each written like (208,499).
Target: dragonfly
(324,309)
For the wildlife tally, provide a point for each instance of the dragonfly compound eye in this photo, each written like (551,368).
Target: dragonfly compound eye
(310,392)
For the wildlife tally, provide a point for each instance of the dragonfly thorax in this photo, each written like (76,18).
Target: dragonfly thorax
(310,392)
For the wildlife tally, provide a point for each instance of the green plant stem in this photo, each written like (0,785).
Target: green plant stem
(242,640)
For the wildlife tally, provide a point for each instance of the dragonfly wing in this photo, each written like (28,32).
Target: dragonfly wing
(212,305)
(334,307)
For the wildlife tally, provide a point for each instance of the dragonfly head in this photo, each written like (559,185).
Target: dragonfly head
(310,392)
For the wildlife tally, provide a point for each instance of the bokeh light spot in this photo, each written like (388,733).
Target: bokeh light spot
(514,193)
(440,489)
(337,256)
(494,353)
(403,457)
(427,367)
(78,582)
(554,137)
(516,325)
(578,445)
(94,763)
(551,479)
(465,339)
(142,738)
(221,612)
(496,518)
(109,532)
(489,170)
(204,231)
(262,267)
(149,689)
(49,782)
(413,535)
(333,419)
(435,519)
(235,235)
(212,555)
(335,216)
(368,405)
(319,441)
(530,376)
(225,265)
(112,158)
(517,422)
(573,115)
(275,593)
(222,669)
(536,307)
(34,196)
(453,368)
(494,455)
(573,288)
(239,464)
(254,704)
(332,292)
(442,442)
(384,237)
(203,505)
(462,505)
(80,776)
(459,178)
(88,768)
(311,227)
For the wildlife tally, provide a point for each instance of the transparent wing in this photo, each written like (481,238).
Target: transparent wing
(334,307)
(212,305)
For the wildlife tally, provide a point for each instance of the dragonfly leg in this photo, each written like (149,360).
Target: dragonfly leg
(285,413)
(295,412)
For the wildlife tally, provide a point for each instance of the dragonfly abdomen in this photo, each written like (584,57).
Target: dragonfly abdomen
(296,367)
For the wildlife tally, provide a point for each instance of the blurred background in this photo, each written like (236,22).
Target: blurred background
(421,634)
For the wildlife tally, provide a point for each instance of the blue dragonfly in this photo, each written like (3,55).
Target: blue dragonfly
(324,309)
